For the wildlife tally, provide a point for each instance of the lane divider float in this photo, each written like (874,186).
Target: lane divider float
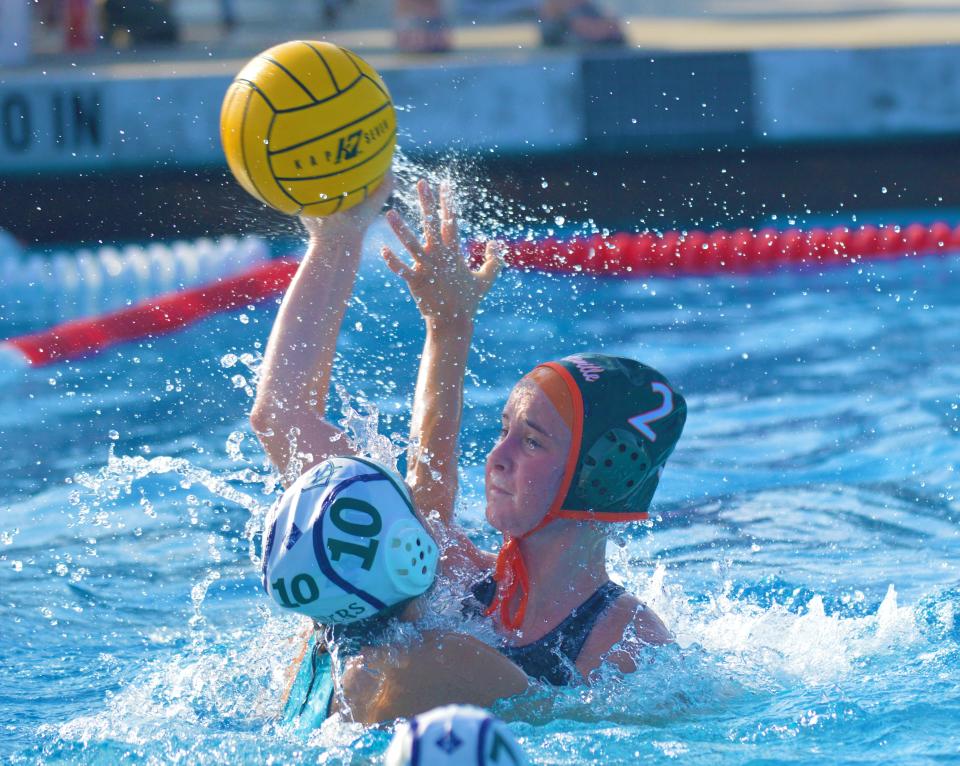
(625,254)
(47,288)
(155,317)
(743,250)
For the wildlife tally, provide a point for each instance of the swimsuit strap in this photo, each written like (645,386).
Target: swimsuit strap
(484,592)
(551,656)
(317,651)
(308,701)
(571,634)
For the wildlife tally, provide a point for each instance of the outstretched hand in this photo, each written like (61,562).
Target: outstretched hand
(445,288)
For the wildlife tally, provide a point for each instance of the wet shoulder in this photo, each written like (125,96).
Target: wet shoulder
(627,617)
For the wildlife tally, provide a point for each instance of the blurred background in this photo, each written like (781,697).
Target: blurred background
(51,27)
(659,114)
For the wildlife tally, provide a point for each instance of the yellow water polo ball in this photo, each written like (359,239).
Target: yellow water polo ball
(308,128)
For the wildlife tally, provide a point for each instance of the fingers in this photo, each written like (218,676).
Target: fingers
(431,217)
(395,265)
(492,261)
(407,238)
(449,228)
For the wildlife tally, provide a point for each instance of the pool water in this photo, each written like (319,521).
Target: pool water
(805,546)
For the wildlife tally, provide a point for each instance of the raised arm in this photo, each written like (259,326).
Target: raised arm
(288,413)
(447,293)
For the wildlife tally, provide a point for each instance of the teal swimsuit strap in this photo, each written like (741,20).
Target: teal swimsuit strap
(308,705)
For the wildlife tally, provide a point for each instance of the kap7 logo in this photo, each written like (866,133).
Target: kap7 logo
(348,147)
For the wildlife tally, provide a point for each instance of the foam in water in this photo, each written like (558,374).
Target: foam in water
(729,647)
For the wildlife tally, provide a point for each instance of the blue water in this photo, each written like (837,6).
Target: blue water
(805,549)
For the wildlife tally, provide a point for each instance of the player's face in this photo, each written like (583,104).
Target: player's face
(525,467)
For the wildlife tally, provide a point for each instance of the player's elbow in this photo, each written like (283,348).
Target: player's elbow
(265,422)
(262,419)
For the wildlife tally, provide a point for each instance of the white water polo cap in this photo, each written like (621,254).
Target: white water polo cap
(456,735)
(343,543)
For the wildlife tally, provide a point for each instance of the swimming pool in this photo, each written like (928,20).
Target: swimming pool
(805,549)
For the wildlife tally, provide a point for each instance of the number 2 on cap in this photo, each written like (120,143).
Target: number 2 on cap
(642,421)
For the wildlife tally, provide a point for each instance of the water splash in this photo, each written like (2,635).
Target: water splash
(361,427)
(236,677)
(234,440)
(776,644)
(484,211)
(116,478)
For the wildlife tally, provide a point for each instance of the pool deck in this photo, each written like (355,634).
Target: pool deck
(665,25)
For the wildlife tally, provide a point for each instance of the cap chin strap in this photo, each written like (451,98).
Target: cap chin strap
(511,577)
(511,574)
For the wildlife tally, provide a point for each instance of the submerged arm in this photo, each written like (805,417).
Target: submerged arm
(288,413)
(385,683)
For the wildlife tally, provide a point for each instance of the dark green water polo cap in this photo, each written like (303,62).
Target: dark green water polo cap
(627,420)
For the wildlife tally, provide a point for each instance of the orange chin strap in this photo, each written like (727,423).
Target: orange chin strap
(512,578)
(511,570)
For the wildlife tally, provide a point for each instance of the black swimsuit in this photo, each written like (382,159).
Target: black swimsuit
(552,658)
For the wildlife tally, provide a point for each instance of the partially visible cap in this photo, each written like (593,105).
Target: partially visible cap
(627,420)
(343,543)
(456,735)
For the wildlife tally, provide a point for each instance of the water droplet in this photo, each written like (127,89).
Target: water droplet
(233,445)
(113,434)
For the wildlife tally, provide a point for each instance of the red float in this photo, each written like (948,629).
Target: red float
(160,316)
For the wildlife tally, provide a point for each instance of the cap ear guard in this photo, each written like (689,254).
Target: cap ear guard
(613,470)
(411,557)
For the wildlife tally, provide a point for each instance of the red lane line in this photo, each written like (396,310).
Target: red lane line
(155,317)
(716,252)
